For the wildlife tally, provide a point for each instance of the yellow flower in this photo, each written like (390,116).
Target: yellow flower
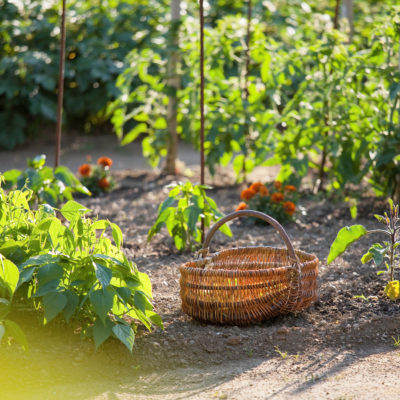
(392,290)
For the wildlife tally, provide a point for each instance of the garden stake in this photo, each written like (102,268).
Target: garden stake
(60,87)
(246,79)
(201,12)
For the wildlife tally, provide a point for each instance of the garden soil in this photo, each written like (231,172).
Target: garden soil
(343,347)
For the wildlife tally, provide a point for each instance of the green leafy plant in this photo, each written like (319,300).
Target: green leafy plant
(73,270)
(97,177)
(275,199)
(379,253)
(182,212)
(46,184)
(9,277)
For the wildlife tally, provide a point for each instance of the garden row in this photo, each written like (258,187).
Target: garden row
(308,98)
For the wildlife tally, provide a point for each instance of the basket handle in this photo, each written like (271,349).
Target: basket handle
(251,213)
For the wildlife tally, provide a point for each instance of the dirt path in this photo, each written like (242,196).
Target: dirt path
(340,348)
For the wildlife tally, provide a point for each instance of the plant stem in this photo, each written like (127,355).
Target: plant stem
(392,241)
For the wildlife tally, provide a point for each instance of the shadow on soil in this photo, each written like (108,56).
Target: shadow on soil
(61,365)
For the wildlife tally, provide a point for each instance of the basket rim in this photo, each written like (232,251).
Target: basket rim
(237,272)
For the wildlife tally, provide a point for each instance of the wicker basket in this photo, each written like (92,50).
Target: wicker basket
(248,284)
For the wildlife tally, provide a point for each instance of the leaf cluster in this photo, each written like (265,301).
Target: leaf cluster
(182,211)
(74,269)
(45,184)
(380,253)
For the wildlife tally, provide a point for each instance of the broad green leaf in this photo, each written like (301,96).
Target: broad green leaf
(14,250)
(117,235)
(103,274)
(46,288)
(42,259)
(155,319)
(193,214)
(166,204)
(49,196)
(14,330)
(101,332)
(345,237)
(378,253)
(134,133)
(53,303)
(72,304)
(125,293)
(125,334)
(367,257)
(140,301)
(100,224)
(49,272)
(72,210)
(11,177)
(9,274)
(226,230)
(102,301)
(145,284)
(26,275)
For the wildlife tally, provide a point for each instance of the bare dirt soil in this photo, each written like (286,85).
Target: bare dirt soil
(342,347)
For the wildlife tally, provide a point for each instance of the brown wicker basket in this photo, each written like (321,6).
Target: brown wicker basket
(248,284)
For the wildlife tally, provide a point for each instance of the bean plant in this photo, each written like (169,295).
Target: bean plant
(182,211)
(73,270)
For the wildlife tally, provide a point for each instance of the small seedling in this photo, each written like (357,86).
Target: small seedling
(380,253)
(396,341)
(361,297)
(281,353)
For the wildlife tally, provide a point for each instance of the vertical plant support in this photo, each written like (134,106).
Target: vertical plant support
(201,13)
(60,87)
(336,17)
(246,81)
(173,86)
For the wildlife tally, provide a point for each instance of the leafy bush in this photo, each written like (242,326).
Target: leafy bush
(47,185)
(384,253)
(9,276)
(97,177)
(73,269)
(276,199)
(182,212)
(98,39)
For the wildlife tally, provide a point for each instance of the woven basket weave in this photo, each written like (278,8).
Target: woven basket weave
(246,285)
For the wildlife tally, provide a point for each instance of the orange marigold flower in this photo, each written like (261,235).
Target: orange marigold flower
(290,188)
(103,183)
(289,207)
(278,185)
(256,186)
(247,194)
(277,197)
(105,161)
(85,170)
(263,191)
(241,206)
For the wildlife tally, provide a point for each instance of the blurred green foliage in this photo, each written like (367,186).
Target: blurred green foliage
(99,35)
(317,101)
